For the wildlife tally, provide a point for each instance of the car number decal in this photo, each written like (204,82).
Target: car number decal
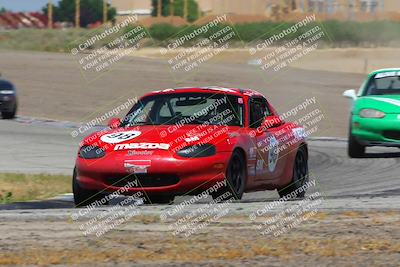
(273,153)
(299,133)
(115,138)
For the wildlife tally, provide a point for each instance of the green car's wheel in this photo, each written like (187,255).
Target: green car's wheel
(354,149)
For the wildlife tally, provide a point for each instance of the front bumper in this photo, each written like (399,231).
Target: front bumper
(7,103)
(377,132)
(165,175)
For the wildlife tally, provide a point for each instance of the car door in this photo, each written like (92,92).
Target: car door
(271,149)
(258,112)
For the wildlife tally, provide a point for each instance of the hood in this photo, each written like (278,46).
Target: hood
(169,137)
(389,104)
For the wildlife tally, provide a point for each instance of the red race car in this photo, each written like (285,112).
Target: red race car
(187,140)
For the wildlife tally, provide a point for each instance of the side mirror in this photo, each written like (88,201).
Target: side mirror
(272,122)
(350,94)
(114,123)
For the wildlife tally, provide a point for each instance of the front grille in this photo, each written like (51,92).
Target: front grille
(392,135)
(143,180)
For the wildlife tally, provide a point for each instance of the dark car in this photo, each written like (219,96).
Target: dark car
(8,100)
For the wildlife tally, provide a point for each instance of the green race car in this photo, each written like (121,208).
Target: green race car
(375,115)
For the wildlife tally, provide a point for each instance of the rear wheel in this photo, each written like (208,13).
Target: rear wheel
(84,197)
(235,177)
(300,175)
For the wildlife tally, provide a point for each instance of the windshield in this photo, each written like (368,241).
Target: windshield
(4,85)
(187,108)
(386,83)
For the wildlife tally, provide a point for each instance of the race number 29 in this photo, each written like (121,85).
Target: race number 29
(119,137)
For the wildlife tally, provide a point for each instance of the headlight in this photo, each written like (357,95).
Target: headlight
(197,151)
(371,113)
(6,92)
(91,152)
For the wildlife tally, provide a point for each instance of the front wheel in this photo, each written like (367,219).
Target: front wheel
(300,175)
(354,149)
(235,177)
(84,197)
(8,115)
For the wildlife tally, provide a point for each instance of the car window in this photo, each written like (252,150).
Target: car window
(4,85)
(188,108)
(258,111)
(142,114)
(165,111)
(387,83)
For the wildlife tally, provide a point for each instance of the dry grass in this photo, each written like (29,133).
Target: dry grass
(174,250)
(24,187)
(348,236)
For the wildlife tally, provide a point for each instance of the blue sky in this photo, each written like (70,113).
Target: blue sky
(24,5)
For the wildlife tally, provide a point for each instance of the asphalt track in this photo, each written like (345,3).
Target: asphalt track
(53,87)
(360,196)
(35,146)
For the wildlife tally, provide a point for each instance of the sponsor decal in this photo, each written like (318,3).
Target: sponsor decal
(115,138)
(273,153)
(233,134)
(387,74)
(137,166)
(146,146)
(252,152)
(140,153)
(260,165)
(222,89)
(192,139)
(299,133)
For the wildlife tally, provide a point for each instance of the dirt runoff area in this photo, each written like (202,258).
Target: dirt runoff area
(353,238)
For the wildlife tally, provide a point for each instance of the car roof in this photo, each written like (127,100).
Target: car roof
(213,89)
(383,70)
(7,84)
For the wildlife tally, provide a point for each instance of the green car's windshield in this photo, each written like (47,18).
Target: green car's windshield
(187,108)
(386,83)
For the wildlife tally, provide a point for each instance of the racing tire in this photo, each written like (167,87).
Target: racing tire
(300,175)
(10,114)
(84,197)
(235,177)
(354,149)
